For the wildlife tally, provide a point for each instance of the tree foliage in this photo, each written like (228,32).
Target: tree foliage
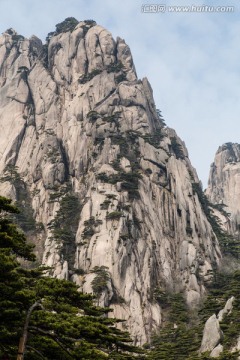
(99,283)
(177,148)
(181,336)
(229,244)
(24,218)
(64,226)
(176,340)
(67,325)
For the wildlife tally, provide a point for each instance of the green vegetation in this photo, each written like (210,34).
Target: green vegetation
(114,118)
(88,25)
(120,78)
(220,208)
(224,287)
(79,271)
(114,215)
(90,226)
(111,196)
(160,118)
(99,141)
(13,298)
(68,24)
(17,38)
(105,178)
(24,71)
(177,148)
(129,149)
(115,67)
(181,335)
(99,283)
(154,138)
(90,22)
(129,181)
(53,155)
(228,243)
(44,55)
(93,116)
(64,324)
(59,192)
(175,340)
(89,76)
(9,31)
(24,218)
(105,204)
(64,226)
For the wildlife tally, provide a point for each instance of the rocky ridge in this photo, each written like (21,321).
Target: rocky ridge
(224,185)
(109,188)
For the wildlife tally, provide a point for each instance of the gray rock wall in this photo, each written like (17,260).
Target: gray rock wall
(75,117)
(224,184)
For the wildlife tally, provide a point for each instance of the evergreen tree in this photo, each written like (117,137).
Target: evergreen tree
(65,324)
(12,277)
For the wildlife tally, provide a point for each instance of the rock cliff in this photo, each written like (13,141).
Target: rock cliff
(107,191)
(224,184)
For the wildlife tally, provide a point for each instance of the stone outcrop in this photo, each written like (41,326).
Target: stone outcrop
(224,185)
(227,309)
(216,352)
(236,347)
(212,333)
(109,187)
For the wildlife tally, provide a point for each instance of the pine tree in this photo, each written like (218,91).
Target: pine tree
(12,276)
(66,324)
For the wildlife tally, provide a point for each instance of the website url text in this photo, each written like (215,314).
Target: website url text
(162,8)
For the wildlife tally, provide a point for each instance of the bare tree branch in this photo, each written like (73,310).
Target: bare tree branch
(36,351)
(52,336)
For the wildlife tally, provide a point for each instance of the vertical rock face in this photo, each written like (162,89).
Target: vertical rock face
(108,187)
(224,183)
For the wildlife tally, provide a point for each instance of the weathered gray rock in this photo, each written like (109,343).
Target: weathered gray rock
(236,347)
(216,352)
(212,334)
(224,184)
(226,310)
(74,115)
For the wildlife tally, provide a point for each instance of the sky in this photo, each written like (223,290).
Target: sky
(188,49)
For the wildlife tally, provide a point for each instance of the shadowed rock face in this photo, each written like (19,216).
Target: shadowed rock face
(224,183)
(76,120)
